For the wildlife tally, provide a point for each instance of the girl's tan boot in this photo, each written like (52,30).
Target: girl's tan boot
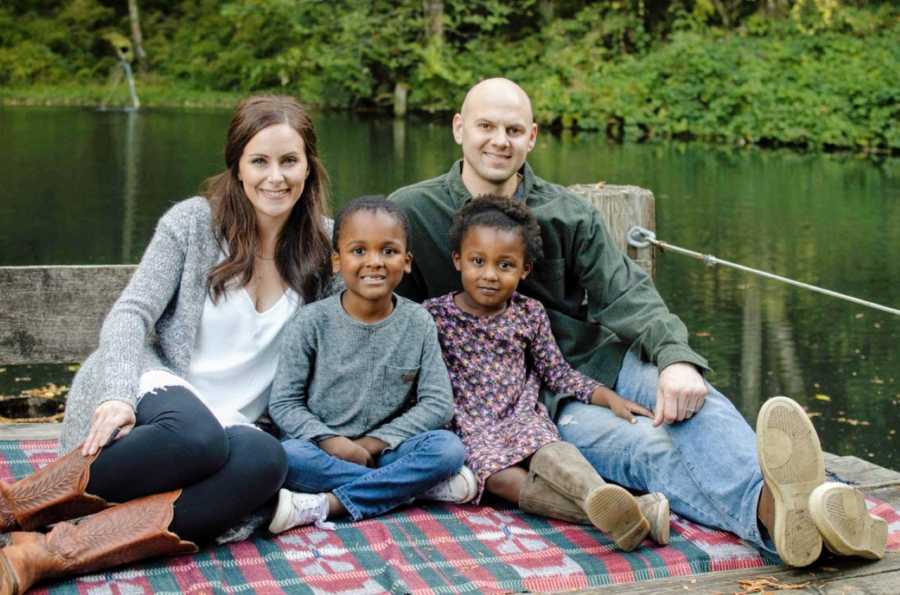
(610,508)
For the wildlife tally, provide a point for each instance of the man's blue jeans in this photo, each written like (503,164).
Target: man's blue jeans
(706,466)
(402,473)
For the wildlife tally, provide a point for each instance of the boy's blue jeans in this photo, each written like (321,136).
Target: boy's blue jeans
(706,466)
(402,473)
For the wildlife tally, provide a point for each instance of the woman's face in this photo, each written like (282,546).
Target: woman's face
(273,171)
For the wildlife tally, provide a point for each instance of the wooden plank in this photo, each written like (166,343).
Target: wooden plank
(865,474)
(52,314)
(30,431)
(831,575)
(623,207)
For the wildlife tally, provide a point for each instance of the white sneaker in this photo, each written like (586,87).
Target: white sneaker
(296,509)
(458,489)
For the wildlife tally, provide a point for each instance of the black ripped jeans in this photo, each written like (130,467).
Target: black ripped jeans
(224,474)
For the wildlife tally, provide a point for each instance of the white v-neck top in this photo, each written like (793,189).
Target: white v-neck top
(236,354)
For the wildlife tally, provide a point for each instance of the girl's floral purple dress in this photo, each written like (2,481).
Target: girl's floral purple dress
(497,364)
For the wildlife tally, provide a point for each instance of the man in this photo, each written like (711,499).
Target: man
(612,325)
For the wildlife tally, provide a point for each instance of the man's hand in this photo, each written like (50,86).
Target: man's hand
(680,393)
(604,396)
(373,446)
(347,450)
(111,421)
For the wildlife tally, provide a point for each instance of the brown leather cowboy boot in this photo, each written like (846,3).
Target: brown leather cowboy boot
(610,508)
(124,533)
(54,493)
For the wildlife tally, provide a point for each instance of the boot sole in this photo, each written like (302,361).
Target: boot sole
(9,584)
(839,511)
(792,465)
(615,511)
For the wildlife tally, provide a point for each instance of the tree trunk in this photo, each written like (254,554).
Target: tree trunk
(434,20)
(136,37)
(545,7)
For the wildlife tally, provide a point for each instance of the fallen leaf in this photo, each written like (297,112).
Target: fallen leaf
(703,334)
(877,380)
(47,391)
(22,379)
(859,315)
(821,397)
(2,370)
(73,367)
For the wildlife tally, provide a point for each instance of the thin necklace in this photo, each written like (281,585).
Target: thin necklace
(264,258)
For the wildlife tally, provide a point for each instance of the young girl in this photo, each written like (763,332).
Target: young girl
(499,348)
(361,390)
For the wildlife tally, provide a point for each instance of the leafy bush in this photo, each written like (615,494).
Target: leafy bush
(805,73)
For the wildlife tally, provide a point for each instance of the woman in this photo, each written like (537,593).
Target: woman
(160,448)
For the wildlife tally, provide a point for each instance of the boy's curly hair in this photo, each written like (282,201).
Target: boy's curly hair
(499,212)
(372,203)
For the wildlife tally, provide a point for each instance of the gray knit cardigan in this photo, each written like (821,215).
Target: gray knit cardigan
(154,322)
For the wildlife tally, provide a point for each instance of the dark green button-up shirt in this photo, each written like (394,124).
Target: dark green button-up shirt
(600,302)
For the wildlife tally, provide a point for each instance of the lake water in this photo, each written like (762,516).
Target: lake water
(81,186)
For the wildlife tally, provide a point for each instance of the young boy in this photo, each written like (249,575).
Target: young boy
(361,387)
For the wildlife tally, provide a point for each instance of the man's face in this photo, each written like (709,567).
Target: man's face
(496,131)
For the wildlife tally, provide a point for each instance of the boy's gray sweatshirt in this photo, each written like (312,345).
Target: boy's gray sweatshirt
(341,377)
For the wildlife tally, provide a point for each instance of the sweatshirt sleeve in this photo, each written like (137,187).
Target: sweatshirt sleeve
(549,362)
(433,407)
(622,297)
(124,332)
(288,400)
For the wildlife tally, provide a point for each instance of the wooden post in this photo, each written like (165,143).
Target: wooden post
(623,207)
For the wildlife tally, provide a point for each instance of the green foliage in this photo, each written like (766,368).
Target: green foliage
(805,73)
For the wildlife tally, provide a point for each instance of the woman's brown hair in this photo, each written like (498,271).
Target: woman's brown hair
(303,249)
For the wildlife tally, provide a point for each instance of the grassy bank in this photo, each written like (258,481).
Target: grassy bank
(155,92)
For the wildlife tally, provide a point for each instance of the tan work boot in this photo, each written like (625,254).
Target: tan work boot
(610,508)
(655,508)
(792,466)
(124,533)
(49,495)
(839,512)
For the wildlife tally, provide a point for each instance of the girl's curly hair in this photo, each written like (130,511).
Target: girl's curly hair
(499,212)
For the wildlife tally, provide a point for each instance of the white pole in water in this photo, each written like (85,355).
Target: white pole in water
(641,237)
(135,102)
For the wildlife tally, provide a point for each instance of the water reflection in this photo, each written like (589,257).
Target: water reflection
(87,187)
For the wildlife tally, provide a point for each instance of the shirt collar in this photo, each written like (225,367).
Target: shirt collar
(460,195)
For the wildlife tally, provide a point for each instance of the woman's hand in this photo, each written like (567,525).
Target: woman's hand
(606,397)
(112,418)
(347,450)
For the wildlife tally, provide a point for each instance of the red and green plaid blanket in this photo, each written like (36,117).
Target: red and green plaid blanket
(419,549)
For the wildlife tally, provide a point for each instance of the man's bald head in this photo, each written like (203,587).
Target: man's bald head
(497,91)
(496,131)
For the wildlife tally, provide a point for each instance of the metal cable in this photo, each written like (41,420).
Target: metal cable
(641,237)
